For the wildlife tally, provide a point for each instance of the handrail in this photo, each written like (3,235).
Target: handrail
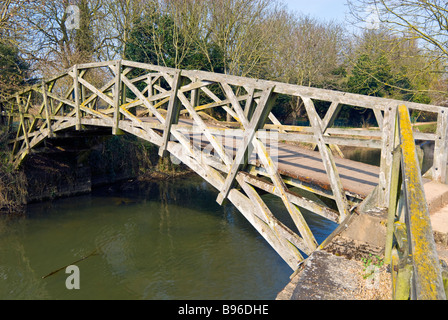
(414,260)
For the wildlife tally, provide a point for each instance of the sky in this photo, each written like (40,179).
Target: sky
(321,9)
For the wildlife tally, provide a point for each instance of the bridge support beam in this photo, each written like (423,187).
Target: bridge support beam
(47,109)
(387,147)
(258,120)
(76,93)
(172,115)
(441,148)
(328,161)
(117,98)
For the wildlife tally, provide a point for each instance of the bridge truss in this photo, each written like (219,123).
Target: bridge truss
(150,102)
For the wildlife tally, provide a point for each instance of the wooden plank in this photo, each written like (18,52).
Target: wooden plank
(293,211)
(327,159)
(76,93)
(201,124)
(249,106)
(236,105)
(441,148)
(386,155)
(428,283)
(98,64)
(22,124)
(343,98)
(379,117)
(331,115)
(94,90)
(262,111)
(117,97)
(393,203)
(300,201)
(47,109)
(142,98)
(276,233)
(172,116)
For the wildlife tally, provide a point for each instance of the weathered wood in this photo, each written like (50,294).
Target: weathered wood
(200,123)
(172,116)
(99,93)
(293,211)
(143,99)
(262,111)
(117,98)
(393,203)
(281,233)
(47,108)
(387,140)
(328,161)
(76,93)
(428,283)
(441,148)
(331,115)
(249,106)
(23,125)
(236,105)
(300,201)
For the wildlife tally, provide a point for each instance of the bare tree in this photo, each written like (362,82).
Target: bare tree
(309,52)
(426,20)
(415,33)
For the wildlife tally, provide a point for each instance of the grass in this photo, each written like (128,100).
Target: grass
(426,127)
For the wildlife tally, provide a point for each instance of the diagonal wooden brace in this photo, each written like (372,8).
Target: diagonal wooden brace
(327,158)
(172,115)
(258,120)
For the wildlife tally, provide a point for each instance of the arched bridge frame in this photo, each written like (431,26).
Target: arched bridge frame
(165,106)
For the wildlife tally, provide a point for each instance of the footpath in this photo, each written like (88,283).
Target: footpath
(337,270)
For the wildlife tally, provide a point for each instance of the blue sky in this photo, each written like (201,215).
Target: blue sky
(322,9)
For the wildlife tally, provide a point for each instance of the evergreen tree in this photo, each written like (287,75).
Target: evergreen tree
(13,69)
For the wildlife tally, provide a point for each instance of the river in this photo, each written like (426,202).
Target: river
(164,240)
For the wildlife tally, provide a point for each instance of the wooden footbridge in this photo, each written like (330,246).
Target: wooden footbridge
(254,153)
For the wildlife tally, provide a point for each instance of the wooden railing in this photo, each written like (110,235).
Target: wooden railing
(410,246)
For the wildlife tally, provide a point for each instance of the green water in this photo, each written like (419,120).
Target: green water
(167,240)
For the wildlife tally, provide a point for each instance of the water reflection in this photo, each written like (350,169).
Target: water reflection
(169,240)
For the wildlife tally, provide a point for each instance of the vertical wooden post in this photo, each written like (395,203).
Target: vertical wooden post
(47,109)
(194,97)
(172,115)
(248,108)
(441,148)
(116,98)
(76,93)
(150,91)
(22,123)
(394,194)
(387,147)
